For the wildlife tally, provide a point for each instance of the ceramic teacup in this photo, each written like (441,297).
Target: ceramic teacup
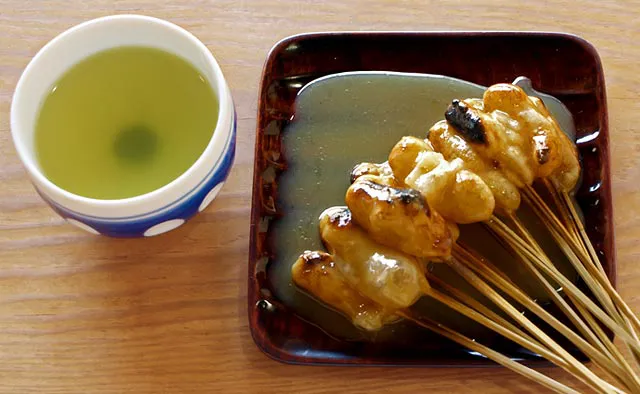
(158,211)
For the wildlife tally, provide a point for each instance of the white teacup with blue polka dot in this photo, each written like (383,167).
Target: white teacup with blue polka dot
(163,209)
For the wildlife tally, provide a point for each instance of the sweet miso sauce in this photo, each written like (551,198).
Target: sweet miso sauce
(349,118)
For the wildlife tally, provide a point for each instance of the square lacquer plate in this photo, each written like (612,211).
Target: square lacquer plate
(561,65)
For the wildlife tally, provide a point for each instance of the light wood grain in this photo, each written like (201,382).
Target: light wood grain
(85,314)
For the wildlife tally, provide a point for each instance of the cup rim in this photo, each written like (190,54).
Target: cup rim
(225,112)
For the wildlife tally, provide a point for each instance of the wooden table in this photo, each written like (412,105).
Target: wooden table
(86,314)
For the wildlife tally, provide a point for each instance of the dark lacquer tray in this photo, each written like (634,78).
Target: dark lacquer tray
(562,65)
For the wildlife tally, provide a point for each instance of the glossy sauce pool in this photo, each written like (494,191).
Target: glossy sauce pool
(345,119)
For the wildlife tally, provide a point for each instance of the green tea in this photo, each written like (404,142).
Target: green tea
(124,122)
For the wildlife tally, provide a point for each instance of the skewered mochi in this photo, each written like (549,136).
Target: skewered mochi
(512,133)
(381,169)
(446,140)
(399,217)
(456,193)
(317,274)
(390,278)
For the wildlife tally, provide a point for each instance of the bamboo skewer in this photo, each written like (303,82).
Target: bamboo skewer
(573,230)
(593,276)
(552,291)
(515,335)
(632,344)
(628,317)
(604,339)
(603,295)
(581,254)
(496,278)
(632,379)
(592,332)
(490,293)
(492,354)
(579,229)
(599,348)
(562,304)
(478,306)
(549,319)
(595,287)
(571,237)
(473,303)
(523,341)
(569,286)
